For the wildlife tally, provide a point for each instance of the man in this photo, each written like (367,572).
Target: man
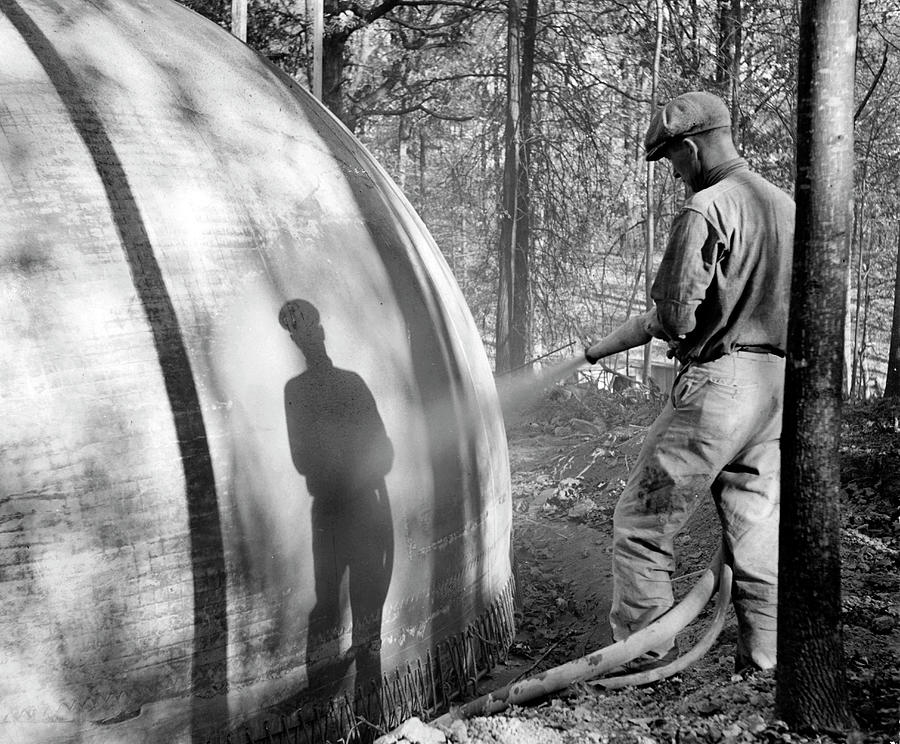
(721,301)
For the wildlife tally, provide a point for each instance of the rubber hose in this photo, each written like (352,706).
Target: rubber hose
(723,599)
(601,661)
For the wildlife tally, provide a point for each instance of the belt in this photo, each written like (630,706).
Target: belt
(760,350)
(735,350)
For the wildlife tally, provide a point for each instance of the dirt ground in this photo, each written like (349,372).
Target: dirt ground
(570,454)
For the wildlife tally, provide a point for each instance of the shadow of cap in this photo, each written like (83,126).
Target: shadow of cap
(298,316)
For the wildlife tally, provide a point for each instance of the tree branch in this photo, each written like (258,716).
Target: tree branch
(877,78)
(378,11)
(449,3)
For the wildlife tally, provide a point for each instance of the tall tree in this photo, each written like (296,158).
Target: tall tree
(341,21)
(737,37)
(728,58)
(520,325)
(512,133)
(239,19)
(316,29)
(811,685)
(650,225)
(725,46)
(513,295)
(892,384)
(857,352)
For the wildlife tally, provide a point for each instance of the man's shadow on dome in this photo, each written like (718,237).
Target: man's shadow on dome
(339,443)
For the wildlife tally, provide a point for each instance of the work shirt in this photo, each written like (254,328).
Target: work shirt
(724,281)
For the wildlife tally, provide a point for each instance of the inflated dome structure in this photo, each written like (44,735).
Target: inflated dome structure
(254,482)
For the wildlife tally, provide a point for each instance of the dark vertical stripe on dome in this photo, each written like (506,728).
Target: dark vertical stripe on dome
(209,668)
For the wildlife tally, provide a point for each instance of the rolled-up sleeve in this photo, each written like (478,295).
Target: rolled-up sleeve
(685,273)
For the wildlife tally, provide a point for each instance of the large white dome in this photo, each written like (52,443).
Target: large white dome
(253,465)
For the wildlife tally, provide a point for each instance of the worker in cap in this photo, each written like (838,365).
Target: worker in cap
(720,299)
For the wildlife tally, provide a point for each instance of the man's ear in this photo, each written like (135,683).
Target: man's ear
(689,142)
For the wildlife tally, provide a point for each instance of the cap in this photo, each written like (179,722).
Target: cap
(689,113)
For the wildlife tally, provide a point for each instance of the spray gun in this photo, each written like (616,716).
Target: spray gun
(518,392)
(635,331)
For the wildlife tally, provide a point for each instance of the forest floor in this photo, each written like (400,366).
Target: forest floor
(570,455)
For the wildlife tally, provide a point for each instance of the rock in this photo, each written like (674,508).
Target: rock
(586,427)
(459,732)
(690,738)
(755,723)
(581,509)
(544,496)
(884,624)
(709,706)
(413,731)
(732,732)
(456,731)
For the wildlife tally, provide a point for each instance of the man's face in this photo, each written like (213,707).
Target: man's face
(685,164)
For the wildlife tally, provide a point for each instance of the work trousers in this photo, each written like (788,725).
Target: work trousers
(719,432)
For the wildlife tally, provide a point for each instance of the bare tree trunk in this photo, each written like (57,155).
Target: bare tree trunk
(892,383)
(811,688)
(696,46)
(859,241)
(863,340)
(341,21)
(651,177)
(513,330)
(334,48)
(239,19)
(728,60)
(317,29)
(403,134)
(724,46)
(520,327)
(463,275)
(737,42)
(858,388)
(423,171)
(509,203)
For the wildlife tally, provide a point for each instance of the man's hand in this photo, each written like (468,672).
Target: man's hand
(590,354)
(652,324)
(654,328)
